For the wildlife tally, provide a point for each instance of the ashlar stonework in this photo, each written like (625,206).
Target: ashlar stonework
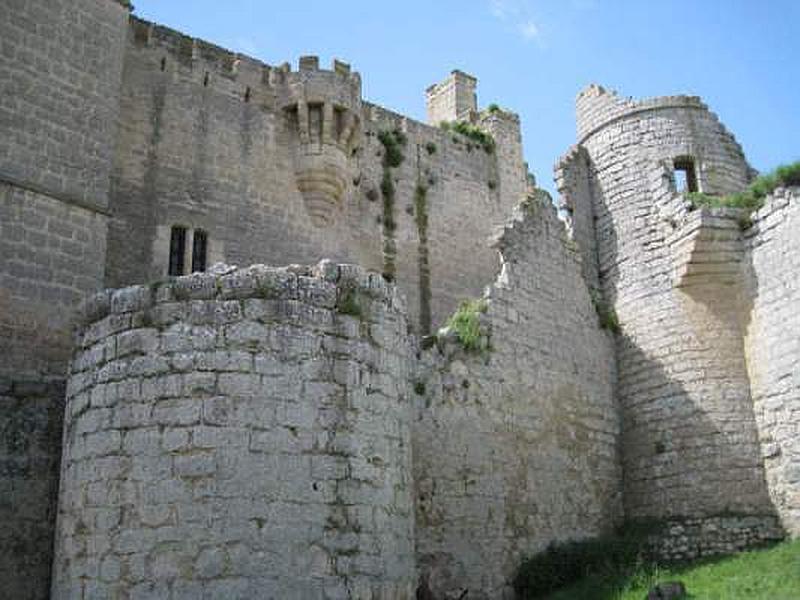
(209,426)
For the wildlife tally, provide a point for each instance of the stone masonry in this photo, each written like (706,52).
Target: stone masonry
(200,430)
(241,435)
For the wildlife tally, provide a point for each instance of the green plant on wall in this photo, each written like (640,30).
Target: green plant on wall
(466,323)
(606,314)
(393,142)
(472,132)
(349,303)
(752,198)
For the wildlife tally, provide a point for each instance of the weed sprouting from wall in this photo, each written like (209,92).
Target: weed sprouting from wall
(421,219)
(752,198)
(606,314)
(393,142)
(466,323)
(472,132)
(348,303)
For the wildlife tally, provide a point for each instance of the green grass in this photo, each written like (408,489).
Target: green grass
(752,198)
(771,574)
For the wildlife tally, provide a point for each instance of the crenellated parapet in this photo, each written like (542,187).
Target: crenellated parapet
(324,113)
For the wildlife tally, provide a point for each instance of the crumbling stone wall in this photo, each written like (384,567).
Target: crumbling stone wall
(690,446)
(574,179)
(240,434)
(516,446)
(772,347)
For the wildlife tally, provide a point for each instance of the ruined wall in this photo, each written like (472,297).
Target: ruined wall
(574,180)
(772,347)
(209,139)
(516,446)
(689,446)
(59,90)
(239,435)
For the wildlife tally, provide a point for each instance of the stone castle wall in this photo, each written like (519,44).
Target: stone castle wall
(244,434)
(206,142)
(517,446)
(690,445)
(211,419)
(772,347)
(60,71)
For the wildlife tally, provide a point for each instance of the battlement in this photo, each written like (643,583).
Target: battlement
(198,54)
(597,107)
(338,86)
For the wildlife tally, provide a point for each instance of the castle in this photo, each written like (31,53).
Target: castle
(200,430)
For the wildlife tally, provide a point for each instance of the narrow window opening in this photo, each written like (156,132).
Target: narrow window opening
(247,95)
(205,80)
(685,175)
(199,251)
(164,63)
(177,250)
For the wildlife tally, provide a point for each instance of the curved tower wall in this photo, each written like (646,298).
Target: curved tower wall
(690,446)
(239,435)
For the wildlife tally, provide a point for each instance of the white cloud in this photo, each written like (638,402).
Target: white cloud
(518,15)
(499,8)
(529,30)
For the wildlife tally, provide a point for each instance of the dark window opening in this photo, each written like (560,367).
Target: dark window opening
(177,251)
(199,251)
(205,80)
(247,95)
(163,64)
(685,175)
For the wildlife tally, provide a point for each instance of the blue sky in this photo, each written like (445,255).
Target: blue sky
(533,57)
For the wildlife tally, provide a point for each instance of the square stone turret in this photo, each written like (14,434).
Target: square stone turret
(453,99)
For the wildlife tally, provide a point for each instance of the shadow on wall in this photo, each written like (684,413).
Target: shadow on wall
(31,416)
(681,458)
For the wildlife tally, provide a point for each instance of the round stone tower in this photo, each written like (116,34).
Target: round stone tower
(672,274)
(243,434)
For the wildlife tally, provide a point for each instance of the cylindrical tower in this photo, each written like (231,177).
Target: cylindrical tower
(690,446)
(239,434)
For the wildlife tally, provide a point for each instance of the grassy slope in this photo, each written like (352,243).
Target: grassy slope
(772,574)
